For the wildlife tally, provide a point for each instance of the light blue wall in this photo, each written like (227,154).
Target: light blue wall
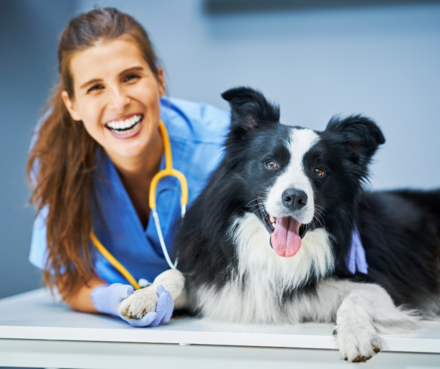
(315,62)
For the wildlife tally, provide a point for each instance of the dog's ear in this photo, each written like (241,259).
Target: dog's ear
(250,109)
(360,135)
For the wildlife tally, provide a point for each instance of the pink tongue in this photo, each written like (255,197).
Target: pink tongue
(285,239)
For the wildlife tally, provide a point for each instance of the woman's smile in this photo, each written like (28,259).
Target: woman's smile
(126,127)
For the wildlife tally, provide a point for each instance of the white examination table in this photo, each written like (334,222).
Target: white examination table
(36,331)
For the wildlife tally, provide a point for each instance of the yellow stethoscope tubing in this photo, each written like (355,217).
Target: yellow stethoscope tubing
(168,171)
(113,261)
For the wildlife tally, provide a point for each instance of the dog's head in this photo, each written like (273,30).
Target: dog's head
(297,179)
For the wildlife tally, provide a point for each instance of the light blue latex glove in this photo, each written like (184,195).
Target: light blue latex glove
(107,298)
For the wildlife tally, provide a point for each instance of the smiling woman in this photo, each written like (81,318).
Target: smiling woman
(95,153)
(134,91)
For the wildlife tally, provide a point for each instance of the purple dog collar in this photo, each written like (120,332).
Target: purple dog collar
(355,259)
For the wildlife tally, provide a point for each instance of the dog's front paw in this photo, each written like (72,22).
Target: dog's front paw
(140,303)
(357,343)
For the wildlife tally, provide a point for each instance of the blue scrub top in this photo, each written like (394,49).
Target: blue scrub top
(197,133)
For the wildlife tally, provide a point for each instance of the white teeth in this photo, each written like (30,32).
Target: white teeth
(122,133)
(132,120)
(123,124)
(272,219)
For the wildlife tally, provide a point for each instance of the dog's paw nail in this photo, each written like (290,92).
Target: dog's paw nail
(376,349)
(335,332)
(360,359)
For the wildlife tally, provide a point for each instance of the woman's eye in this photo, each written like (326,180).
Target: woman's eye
(131,77)
(270,164)
(95,87)
(319,172)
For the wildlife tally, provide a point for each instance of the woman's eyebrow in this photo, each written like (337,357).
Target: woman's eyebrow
(132,69)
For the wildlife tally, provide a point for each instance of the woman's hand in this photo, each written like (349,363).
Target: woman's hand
(106,299)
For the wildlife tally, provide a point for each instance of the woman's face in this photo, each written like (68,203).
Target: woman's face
(117,96)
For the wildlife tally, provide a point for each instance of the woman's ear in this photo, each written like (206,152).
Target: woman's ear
(70,105)
(161,81)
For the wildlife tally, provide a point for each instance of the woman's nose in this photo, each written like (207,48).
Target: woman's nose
(118,99)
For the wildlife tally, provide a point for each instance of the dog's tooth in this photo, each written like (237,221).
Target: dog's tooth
(272,219)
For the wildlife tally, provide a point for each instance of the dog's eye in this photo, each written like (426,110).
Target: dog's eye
(319,172)
(270,164)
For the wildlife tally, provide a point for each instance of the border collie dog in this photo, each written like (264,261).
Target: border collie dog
(267,241)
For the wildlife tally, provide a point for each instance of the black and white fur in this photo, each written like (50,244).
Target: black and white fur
(233,275)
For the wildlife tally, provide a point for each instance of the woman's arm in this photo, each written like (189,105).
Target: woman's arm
(81,300)
(100,297)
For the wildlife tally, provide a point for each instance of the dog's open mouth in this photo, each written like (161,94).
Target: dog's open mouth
(286,233)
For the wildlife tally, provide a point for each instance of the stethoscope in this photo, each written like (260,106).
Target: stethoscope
(168,171)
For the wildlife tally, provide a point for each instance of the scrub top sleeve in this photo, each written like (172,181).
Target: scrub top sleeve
(209,124)
(38,254)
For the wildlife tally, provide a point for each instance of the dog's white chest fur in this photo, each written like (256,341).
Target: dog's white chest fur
(263,277)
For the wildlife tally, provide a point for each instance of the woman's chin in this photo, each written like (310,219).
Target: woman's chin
(127,152)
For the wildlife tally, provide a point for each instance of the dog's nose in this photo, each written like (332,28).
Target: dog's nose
(294,199)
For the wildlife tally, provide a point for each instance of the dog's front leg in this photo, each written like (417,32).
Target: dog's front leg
(143,301)
(174,281)
(366,311)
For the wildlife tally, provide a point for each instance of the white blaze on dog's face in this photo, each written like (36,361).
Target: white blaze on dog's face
(294,178)
(290,203)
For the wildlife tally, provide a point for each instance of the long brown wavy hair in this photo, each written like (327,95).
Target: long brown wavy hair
(61,164)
